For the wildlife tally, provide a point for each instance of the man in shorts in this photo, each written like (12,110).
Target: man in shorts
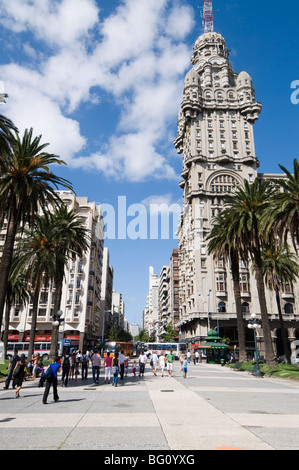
(170,358)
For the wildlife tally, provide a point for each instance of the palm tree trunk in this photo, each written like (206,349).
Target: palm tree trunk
(237,294)
(33,322)
(270,356)
(6,326)
(57,302)
(284,334)
(7,256)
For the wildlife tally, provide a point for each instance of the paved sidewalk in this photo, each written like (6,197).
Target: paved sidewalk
(213,408)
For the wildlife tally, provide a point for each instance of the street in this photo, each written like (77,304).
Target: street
(214,408)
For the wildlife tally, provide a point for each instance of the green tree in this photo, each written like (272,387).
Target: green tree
(69,239)
(17,295)
(223,243)
(283,214)
(37,258)
(170,334)
(27,184)
(280,267)
(247,205)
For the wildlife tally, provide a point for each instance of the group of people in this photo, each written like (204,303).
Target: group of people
(162,361)
(114,367)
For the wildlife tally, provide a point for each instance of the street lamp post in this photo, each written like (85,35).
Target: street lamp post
(57,320)
(208,295)
(255,324)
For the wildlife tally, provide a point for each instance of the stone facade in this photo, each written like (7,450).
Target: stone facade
(216,140)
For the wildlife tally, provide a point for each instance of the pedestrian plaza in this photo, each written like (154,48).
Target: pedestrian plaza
(214,408)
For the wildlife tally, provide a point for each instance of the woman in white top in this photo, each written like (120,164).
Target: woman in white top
(162,364)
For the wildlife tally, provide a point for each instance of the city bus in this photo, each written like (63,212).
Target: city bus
(165,348)
(43,348)
(113,346)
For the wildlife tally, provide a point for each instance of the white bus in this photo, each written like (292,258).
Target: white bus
(43,348)
(165,348)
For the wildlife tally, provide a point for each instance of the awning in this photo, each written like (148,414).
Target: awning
(213,346)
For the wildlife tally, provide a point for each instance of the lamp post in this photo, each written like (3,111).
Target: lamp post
(208,295)
(255,324)
(57,320)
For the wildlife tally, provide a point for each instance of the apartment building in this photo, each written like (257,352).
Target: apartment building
(81,293)
(106,312)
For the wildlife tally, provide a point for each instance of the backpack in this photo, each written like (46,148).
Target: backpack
(66,362)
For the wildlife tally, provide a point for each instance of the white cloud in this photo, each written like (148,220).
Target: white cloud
(137,55)
(58,23)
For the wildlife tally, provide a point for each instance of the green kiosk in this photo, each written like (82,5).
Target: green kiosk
(214,349)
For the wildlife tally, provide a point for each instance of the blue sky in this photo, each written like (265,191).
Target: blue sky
(102,81)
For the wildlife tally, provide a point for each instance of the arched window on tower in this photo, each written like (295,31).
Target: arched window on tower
(223,184)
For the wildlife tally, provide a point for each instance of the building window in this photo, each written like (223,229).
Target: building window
(221,307)
(245,307)
(244,283)
(288,308)
(217,185)
(220,283)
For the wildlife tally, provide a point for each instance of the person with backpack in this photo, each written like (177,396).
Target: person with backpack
(50,375)
(66,363)
(84,366)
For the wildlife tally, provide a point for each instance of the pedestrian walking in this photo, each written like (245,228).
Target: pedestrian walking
(142,363)
(189,357)
(194,358)
(162,364)
(134,367)
(36,361)
(169,359)
(185,362)
(51,379)
(181,358)
(108,366)
(84,366)
(66,366)
(73,366)
(15,359)
(122,359)
(19,374)
(126,366)
(116,366)
(154,360)
(96,366)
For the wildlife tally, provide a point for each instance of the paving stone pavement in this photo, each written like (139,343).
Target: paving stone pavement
(213,408)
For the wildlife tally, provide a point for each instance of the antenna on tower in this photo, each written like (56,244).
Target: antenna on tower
(208,16)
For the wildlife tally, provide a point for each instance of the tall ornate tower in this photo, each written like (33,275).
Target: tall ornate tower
(215,137)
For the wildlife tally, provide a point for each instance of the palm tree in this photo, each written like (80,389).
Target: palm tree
(280,267)
(246,206)
(6,136)
(70,239)
(27,184)
(36,257)
(283,215)
(16,294)
(225,248)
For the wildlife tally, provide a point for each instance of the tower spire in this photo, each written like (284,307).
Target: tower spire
(208,16)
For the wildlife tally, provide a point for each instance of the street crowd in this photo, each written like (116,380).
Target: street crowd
(74,364)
